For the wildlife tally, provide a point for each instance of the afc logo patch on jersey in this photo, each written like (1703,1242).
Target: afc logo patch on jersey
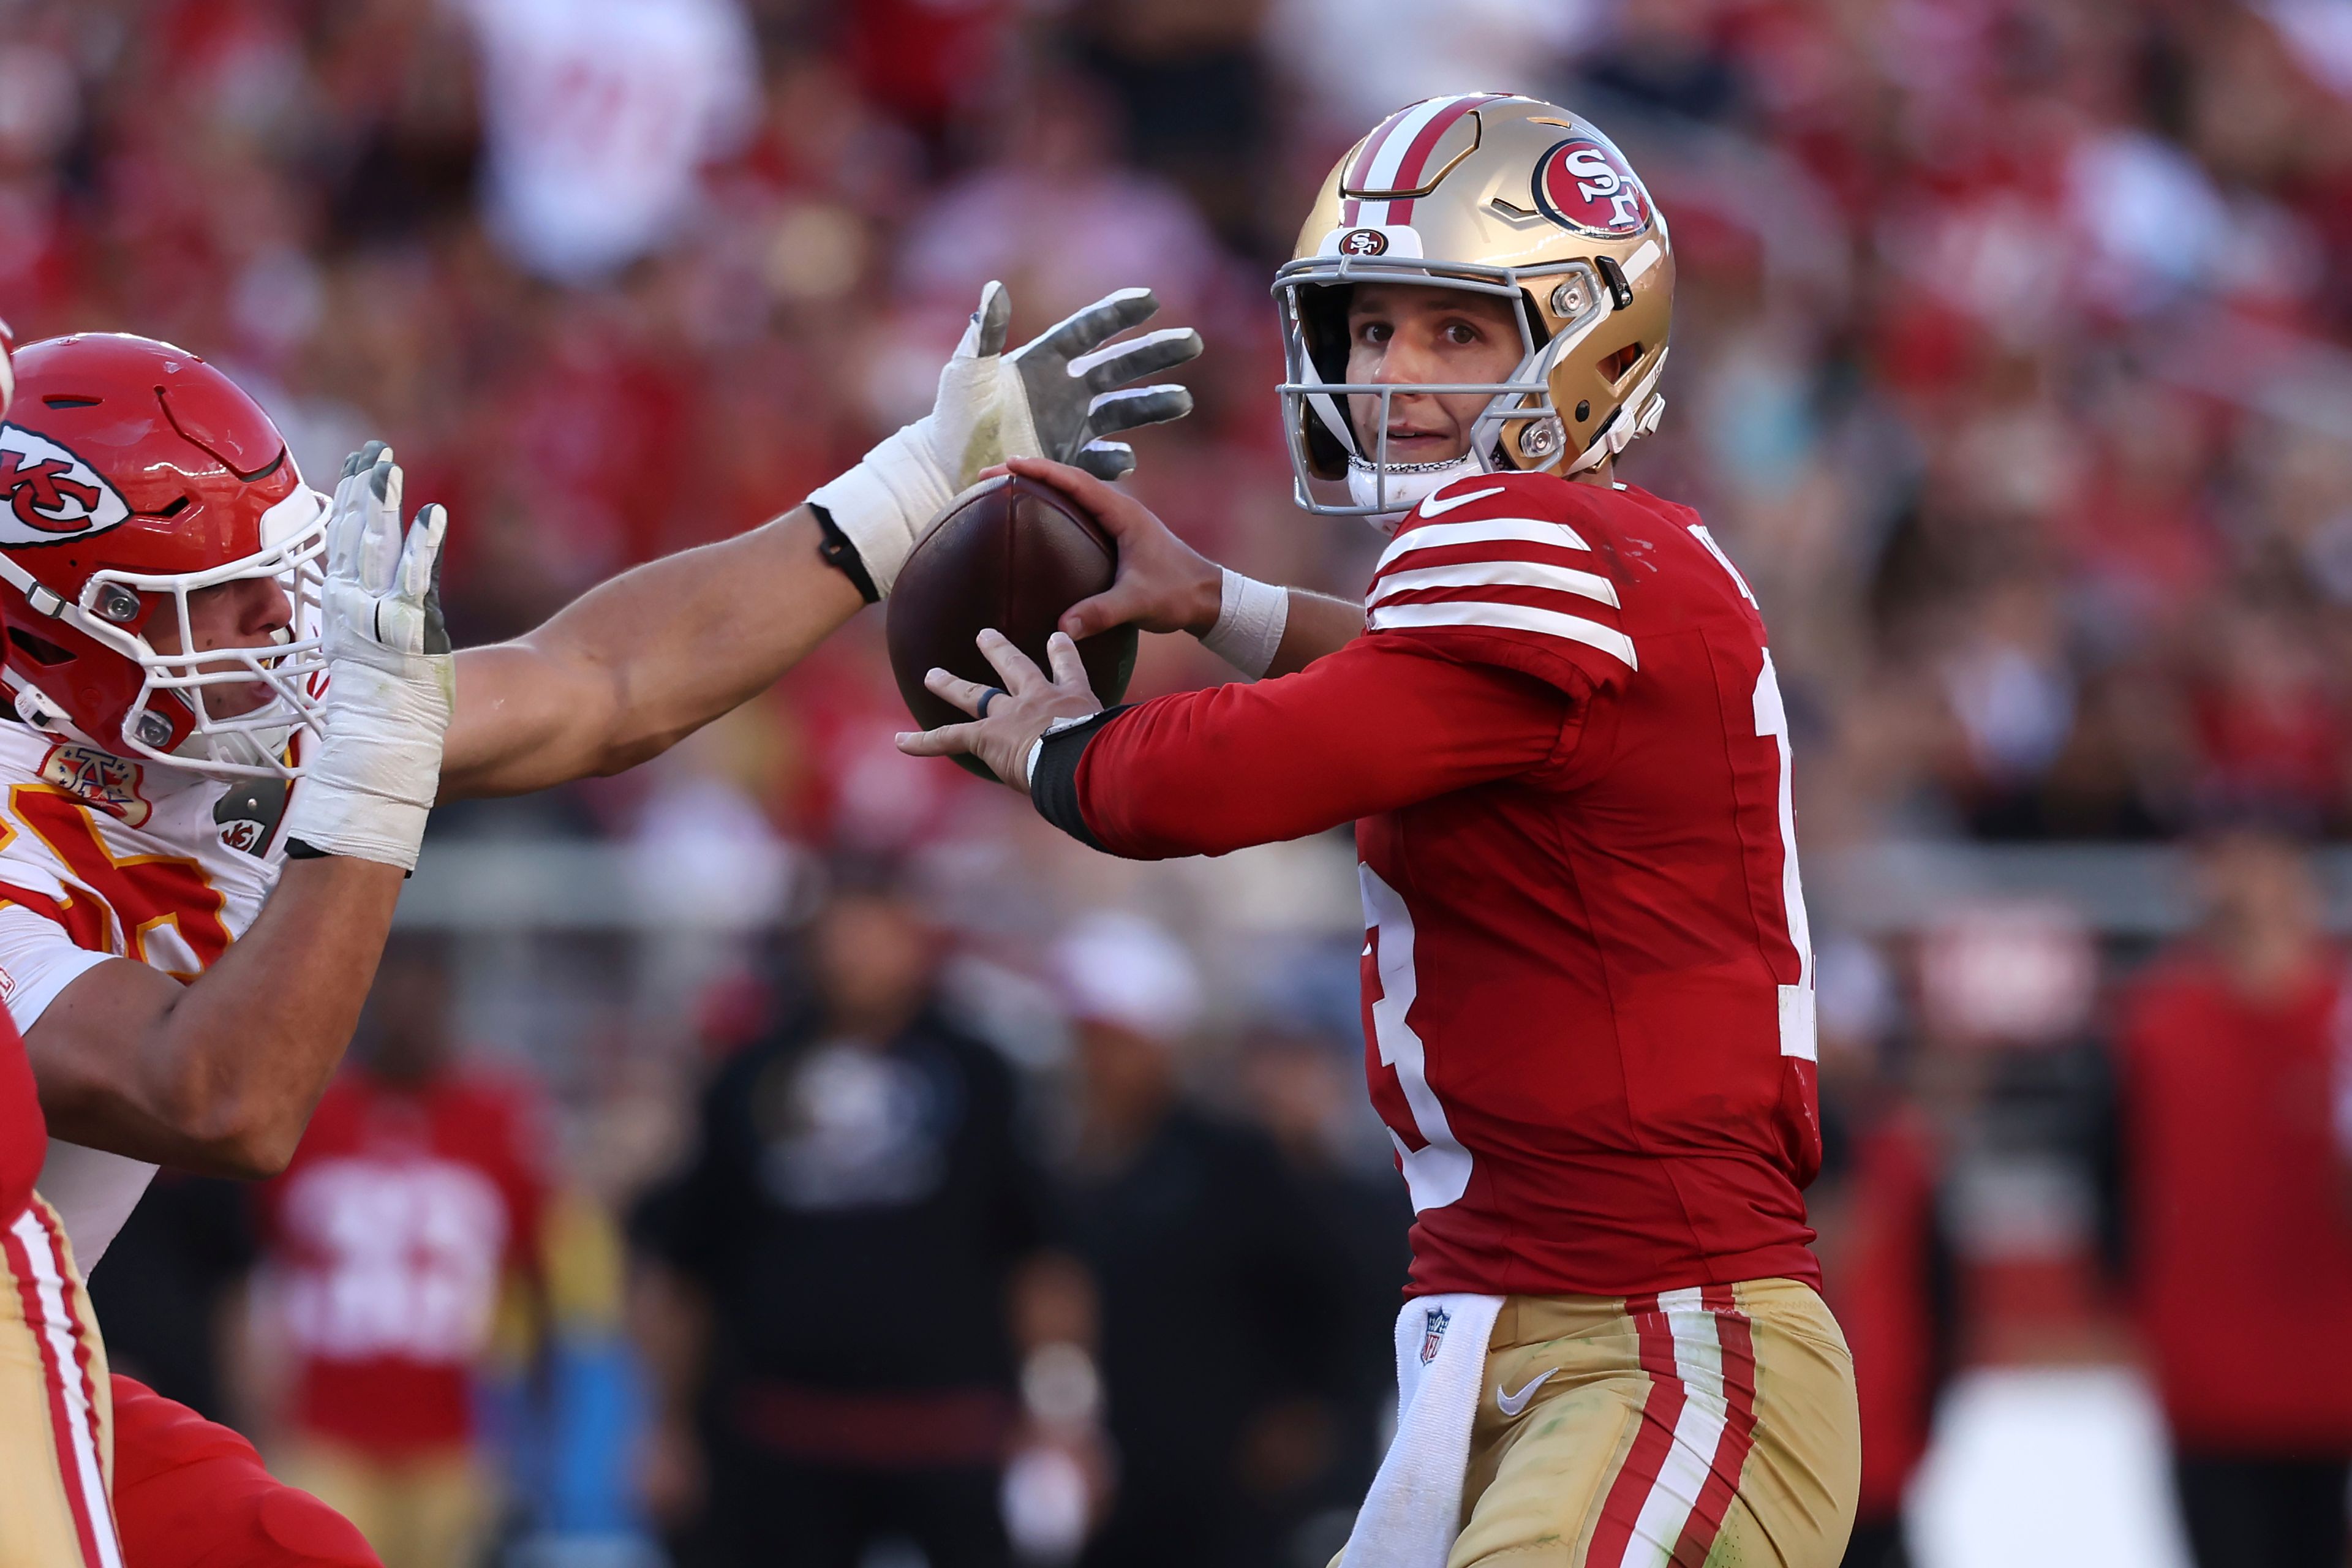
(51,495)
(98,778)
(1434,1332)
(1584,185)
(248,813)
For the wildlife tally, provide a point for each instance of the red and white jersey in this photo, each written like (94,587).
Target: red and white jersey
(391,1233)
(1587,979)
(104,858)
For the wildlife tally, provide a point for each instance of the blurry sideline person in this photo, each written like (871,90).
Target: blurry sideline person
(1180,1217)
(55,1467)
(2237,1194)
(1887,1260)
(233,705)
(1299,1089)
(830,1277)
(412,1204)
(1555,727)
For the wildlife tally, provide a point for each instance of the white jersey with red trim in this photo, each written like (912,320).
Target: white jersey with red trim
(104,858)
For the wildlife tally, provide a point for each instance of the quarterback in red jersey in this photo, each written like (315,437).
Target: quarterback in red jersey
(1587,977)
(230,705)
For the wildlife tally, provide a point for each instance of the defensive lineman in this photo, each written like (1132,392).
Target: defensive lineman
(235,705)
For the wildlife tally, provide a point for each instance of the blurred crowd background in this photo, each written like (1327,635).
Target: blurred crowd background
(790,1148)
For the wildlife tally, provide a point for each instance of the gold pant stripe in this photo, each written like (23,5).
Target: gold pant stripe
(54,1441)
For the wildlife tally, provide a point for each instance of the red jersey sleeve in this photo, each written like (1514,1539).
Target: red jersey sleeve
(1383,723)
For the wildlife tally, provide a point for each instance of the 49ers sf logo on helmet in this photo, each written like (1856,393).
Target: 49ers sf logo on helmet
(1584,185)
(48,495)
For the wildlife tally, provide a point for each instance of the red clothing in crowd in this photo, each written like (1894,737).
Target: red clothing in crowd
(1881,1284)
(1587,984)
(2241,1232)
(394,1230)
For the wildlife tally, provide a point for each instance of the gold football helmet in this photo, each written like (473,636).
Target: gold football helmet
(1496,195)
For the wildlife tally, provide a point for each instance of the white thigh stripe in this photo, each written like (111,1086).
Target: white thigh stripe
(1699,1432)
(1508,618)
(57,1328)
(1499,575)
(1485,531)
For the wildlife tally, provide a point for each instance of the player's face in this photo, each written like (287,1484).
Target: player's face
(251,612)
(1402,333)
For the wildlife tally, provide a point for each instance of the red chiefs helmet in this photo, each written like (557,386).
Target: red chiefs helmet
(134,476)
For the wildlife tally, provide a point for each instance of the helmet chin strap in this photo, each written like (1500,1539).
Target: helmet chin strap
(1406,485)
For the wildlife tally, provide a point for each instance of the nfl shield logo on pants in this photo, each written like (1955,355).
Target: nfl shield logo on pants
(1434,1334)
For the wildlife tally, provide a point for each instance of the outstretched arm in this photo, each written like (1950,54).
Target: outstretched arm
(650,657)
(638,663)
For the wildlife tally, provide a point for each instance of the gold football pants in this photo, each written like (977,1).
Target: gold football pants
(55,1444)
(1712,1427)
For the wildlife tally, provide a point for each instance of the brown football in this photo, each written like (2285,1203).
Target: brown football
(1014,555)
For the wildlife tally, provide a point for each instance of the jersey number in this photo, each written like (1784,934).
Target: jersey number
(1436,1166)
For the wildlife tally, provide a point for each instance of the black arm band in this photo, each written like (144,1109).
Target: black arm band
(1053,785)
(836,551)
(296,850)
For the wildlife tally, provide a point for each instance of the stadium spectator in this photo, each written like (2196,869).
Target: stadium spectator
(1225,1346)
(415,1199)
(2238,1198)
(830,1273)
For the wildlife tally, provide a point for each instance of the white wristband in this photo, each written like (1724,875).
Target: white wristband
(1250,619)
(886,503)
(370,786)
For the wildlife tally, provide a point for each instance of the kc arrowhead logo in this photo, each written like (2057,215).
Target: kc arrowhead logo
(48,494)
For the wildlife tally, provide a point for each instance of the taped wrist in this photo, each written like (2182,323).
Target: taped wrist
(884,504)
(1251,617)
(369,789)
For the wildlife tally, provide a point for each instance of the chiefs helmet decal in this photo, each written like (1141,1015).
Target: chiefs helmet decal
(51,494)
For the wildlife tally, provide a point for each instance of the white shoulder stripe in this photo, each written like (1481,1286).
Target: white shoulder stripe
(1509,617)
(1485,531)
(1506,573)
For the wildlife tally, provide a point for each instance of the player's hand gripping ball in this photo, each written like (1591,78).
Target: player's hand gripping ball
(1008,559)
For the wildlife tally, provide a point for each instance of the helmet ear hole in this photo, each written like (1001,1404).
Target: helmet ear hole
(1614,366)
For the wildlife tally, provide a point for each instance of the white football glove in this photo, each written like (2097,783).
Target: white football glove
(1055,397)
(392,681)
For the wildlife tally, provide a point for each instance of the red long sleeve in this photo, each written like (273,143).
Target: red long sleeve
(1383,723)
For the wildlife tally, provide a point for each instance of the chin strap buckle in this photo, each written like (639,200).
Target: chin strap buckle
(38,711)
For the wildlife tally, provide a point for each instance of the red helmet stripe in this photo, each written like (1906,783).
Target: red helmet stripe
(1361,169)
(1416,157)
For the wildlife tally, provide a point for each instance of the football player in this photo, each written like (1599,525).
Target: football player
(1587,980)
(231,705)
(54,1507)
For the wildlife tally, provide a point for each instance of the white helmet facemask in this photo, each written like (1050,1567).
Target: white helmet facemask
(292,668)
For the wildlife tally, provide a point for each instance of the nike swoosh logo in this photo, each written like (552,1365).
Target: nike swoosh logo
(1433,506)
(1512,1404)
